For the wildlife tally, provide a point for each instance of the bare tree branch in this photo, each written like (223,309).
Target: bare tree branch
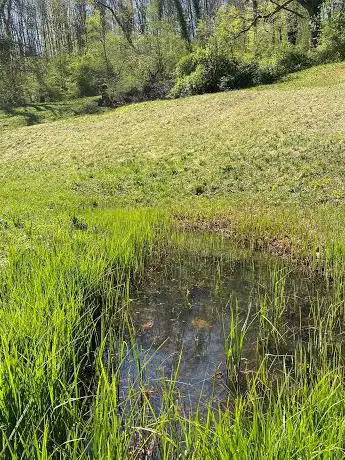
(289,9)
(264,17)
(113,12)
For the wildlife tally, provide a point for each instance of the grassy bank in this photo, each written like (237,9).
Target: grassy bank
(87,202)
(276,151)
(12,117)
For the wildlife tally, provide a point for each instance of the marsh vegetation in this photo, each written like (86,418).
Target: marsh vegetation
(128,328)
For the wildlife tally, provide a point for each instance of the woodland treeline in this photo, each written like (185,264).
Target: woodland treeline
(142,49)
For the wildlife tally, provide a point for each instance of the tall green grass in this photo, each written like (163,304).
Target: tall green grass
(65,335)
(69,257)
(57,294)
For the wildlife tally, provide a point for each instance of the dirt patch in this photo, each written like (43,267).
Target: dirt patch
(279,245)
(282,246)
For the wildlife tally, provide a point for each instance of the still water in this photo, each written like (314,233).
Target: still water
(181,314)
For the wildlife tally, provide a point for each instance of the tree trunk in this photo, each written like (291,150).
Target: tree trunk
(313,8)
(292,28)
(315,29)
(255,16)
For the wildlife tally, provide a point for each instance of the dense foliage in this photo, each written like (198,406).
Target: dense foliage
(128,51)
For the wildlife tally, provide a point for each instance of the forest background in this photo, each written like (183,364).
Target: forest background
(133,50)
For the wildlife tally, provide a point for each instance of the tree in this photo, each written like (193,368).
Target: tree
(313,8)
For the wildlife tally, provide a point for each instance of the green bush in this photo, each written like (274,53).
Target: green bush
(186,65)
(16,84)
(58,82)
(90,107)
(88,73)
(202,71)
(293,60)
(205,71)
(332,47)
(146,71)
(71,76)
(189,85)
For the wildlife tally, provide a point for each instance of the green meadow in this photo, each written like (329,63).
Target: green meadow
(90,203)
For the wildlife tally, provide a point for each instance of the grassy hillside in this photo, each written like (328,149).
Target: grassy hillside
(88,202)
(279,149)
(280,143)
(13,117)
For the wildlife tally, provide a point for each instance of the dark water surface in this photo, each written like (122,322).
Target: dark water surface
(181,312)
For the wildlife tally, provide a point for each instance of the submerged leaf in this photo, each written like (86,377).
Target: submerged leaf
(201,324)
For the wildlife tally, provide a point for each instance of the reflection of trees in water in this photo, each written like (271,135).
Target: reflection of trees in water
(184,326)
(186,304)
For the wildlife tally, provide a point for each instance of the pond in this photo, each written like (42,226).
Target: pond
(183,310)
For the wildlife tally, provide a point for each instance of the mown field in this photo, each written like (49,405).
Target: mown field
(87,203)
(12,117)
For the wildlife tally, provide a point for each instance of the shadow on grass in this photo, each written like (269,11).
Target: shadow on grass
(29,116)
(33,114)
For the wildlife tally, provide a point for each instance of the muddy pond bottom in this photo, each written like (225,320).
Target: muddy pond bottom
(182,311)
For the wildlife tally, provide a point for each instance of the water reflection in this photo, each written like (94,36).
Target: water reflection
(181,312)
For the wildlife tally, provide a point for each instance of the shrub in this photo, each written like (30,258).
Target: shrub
(90,107)
(88,72)
(244,75)
(58,82)
(206,71)
(293,60)
(189,85)
(267,74)
(332,47)
(146,72)
(186,66)
(201,72)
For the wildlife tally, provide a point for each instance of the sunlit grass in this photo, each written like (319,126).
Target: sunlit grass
(273,145)
(88,202)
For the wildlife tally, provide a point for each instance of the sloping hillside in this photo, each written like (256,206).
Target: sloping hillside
(284,142)
(263,166)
